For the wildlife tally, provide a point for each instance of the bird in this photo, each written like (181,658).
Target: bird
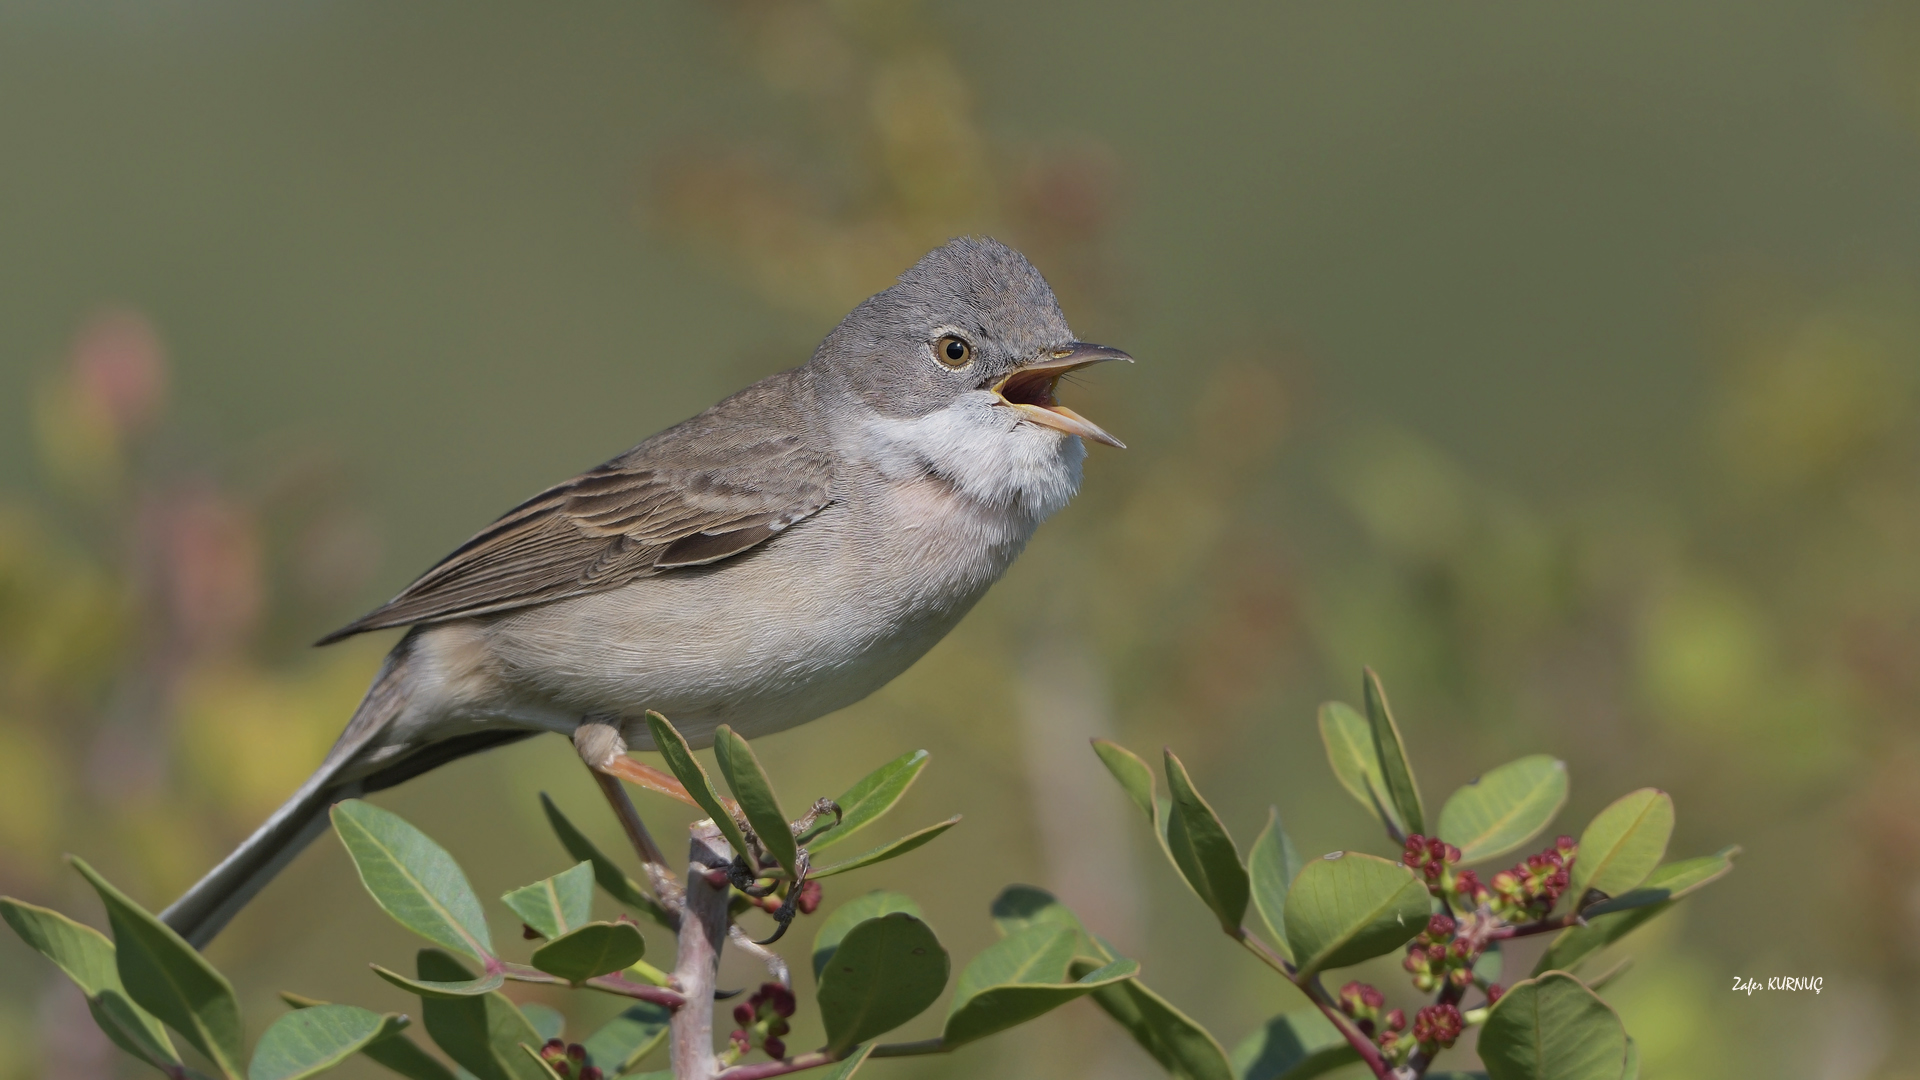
(775,558)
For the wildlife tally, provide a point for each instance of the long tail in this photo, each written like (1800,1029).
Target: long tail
(202,911)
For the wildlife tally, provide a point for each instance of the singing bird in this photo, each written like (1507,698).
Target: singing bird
(773,559)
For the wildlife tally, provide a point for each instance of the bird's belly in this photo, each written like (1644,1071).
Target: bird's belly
(807,624)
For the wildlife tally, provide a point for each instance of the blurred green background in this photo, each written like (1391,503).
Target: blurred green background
(1558,361)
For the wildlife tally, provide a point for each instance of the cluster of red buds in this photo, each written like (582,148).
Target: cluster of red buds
(1437,1026)
(1435,957)
(1364,1003)
(763,1020)
(1530,889)
(566,1059)
(1434,859)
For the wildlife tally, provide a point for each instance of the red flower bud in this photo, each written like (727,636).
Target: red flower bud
(1371,997)
(743,1014)
(1397,1020)
(1439,1024)
(738,1037)
(591,1072)
(776,1049)
(1494,990)
(809,899)
(576,1052)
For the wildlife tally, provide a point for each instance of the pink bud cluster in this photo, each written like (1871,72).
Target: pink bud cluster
(1436,1027)
(763,1020)
(1436,957)
(1534,885)
(1434,859)
(1364,1003)
(568,1059)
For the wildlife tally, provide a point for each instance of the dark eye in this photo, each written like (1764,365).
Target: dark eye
(953,351)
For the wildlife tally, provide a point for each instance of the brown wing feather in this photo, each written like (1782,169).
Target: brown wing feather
(694,494)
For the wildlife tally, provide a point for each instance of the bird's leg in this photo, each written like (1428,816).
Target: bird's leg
(599,743)
(783,917)
(646,776)
(809,826)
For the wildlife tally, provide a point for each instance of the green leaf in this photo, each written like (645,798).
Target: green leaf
(622,1042)
(309,1041)
(1203,851)
(1553,1028)
(396,1052)
(673,746)
(1293,1046)
(873,905)
(850,1064)
(1135,778)
(1350,750)
(1632,1069)
(413,878)
(452,990)
(753,790)
(1019,907)
(483,1035)
(1675,879)
(87,957)
(546,1020)
(1181,1046)
(1504,808)
(1019,978)
(874,794)
(558,904)
(594,949)
(1347,907)
(605,871)
(1271,867)
(1491,963)
(887,851)
(885,972)
(1622,844)
(1396,774)
(1670,882)
(165,976)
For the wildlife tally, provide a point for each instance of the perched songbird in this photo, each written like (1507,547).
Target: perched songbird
(781,555)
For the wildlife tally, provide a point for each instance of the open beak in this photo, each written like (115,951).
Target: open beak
(1029,389)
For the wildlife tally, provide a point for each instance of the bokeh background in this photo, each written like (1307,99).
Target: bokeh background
(1558,361)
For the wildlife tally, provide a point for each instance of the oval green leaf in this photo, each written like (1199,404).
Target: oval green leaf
(887,851)
(673,746)
(1293,1046)
(1553,1028)
(605,871)
(396,1052)
(597,948)
(885,972)
(170,979)
(1271,867)
(1021,977)
(481,1034)
(753,790)
(1504,808)
(1350,750)
(413,878)
(1397,774)
(556,905)
(873,795)
(1675,880)
(619,1045)
(457,988)
(1347,907)
(872,905)
(86,956)
(1183,1048)
(1622,844)
(310,1041)
(1203,851)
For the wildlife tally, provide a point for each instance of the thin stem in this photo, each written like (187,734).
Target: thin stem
(776,1068)
(1356,1038)
(1268,955)
(909,1049)
(611,984)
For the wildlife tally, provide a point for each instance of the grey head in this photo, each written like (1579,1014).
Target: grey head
(971,318)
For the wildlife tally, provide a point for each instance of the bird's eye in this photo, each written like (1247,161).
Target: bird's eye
(953,351)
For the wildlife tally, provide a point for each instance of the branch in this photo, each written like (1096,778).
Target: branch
(1356,1038)
(703,930)
(776,1068)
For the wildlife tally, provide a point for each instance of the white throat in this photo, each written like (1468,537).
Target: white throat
(985,451)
